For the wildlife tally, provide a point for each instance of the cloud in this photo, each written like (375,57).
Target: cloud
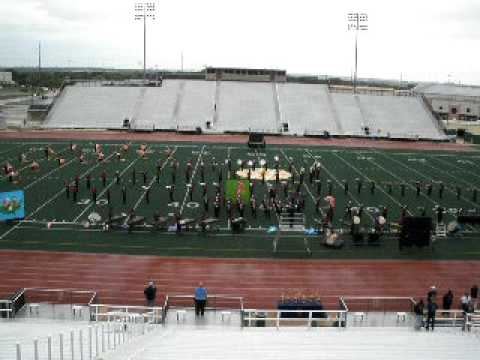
(411,36)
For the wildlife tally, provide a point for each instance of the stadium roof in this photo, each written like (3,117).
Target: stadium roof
(448,90)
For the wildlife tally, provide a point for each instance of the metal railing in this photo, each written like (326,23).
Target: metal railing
(472,320)
(214,302)
(453,318)
(378,303)
(308,318)
(88,343)
(44,295)
(106,312)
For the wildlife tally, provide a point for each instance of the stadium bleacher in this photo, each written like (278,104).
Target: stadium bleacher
(236,106)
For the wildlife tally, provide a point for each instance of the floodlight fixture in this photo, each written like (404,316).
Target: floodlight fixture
(144,11)
(357,22)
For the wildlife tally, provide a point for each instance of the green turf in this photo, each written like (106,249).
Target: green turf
(46,199)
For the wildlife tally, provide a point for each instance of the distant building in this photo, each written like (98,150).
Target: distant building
(451,101)
(6,78)
(242,74)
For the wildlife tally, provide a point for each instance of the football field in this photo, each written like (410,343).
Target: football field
(135,184)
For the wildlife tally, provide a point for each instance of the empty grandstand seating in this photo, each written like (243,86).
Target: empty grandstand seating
(235,106)
(245,106)
(307,109)
(197,107)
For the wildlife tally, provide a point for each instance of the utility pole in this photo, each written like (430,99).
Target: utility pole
(39,66)
(357,21)
(144,10)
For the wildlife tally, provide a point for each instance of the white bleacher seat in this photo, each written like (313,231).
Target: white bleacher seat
(77,310)
(181,315)
(401,316)
(225,315)
(359,315)
(33,307)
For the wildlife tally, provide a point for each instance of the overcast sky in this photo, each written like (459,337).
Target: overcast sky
(430,40)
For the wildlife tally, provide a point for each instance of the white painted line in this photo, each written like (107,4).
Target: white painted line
(461,169)
(366,177)
(50,200)
(428,177)
(29,165)
(153,179)
(191,179)
(49,173)
(304,183)
(337,181)
(104,190)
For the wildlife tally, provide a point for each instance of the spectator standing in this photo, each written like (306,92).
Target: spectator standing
(150,293)
(200,299)
(465,301)
(448,300)
(418,310)
(432,294)
(474,295)
(431,310)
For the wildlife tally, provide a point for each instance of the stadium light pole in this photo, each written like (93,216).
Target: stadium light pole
(144,10)
(357,22)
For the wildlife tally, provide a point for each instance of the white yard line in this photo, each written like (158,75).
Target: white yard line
(153,179)
(337,181)
(428,177)
(105,190)
(29,165)
(304,183)
(200,154)
(403,181)
(48,174)
(460,169)
(366,177)
(12,149)
(50,200)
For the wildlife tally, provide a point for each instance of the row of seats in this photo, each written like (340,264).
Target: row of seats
(232,106)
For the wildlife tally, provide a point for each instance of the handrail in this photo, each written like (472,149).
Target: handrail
(340,319)
(157,312)
(213,296)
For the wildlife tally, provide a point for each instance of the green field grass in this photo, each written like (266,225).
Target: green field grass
(46,199)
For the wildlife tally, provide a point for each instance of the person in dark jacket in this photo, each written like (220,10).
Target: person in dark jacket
(448,300)
(432,294)
(150,293)
(474,296)
(431,310)
(418,310)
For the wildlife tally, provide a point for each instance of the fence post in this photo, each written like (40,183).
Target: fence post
(309,319)
(96,340)
(80,338)
(72,348)
(103,338)
(114,336)
(35,349)
(109,330)
(19,351)
(90,342)
(49,347)
(61,346)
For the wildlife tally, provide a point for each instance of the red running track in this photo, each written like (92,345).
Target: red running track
(230,139)
(119,279)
